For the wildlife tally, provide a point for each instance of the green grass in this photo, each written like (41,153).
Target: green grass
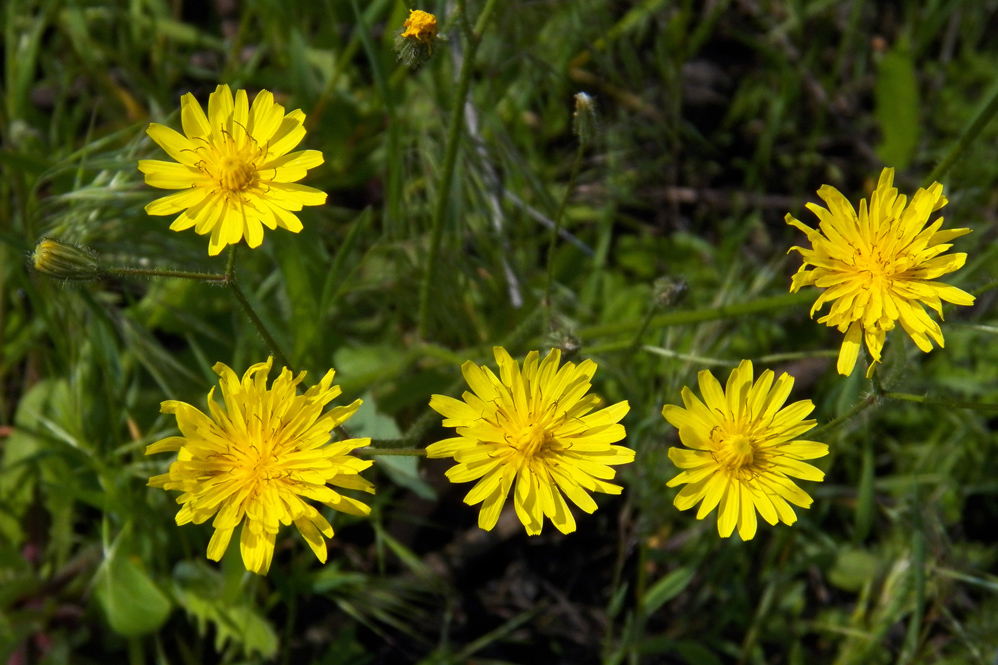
(716,119)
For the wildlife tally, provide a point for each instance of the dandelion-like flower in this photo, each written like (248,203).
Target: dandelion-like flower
(741,451)
(255,460)
(234,168)
(878,267)
(537,427)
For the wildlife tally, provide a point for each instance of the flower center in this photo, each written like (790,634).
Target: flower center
(736,451)
(235,174)
(533,440)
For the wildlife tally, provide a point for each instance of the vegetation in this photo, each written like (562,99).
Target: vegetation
(445,180)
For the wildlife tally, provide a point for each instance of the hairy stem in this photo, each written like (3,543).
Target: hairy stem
(953,404)
(155,272)
(858,408)
(230,281)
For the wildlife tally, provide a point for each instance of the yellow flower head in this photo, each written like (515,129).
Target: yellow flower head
(421,26)
(233,168)
(878,267)
(743,450)
(534,426)
(253,461)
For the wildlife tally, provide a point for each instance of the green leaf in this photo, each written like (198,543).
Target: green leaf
(666,589)
(403,470)
(865,506)
(133,603)
(853,568)
(199,590)
(897,107)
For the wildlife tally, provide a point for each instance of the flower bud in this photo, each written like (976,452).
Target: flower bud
(585,121)
(667,292)
(414,42)
(65,261)
(565,340)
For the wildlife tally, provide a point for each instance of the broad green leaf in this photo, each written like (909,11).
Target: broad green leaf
(865,506)
(132,602)
(897,108)
(199,590)
(853,568)
(666,589)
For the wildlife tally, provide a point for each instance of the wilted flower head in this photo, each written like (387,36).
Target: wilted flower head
(741,451)
(880,266)
(537,427)
(255,460)
(233,168)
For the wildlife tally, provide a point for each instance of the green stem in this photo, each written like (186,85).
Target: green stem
(230,281)
(968,136)
(154,272)
(483,18)
(407,452)
(450,161)
(844,418)
(556,228)
(953,404)
(993,284)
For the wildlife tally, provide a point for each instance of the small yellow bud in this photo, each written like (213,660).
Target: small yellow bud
(64,261)
(415,41)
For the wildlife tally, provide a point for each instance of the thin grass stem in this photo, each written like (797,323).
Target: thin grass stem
(450,161)
(556,229)
(968,136)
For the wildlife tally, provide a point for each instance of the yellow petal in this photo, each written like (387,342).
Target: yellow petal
(850,349)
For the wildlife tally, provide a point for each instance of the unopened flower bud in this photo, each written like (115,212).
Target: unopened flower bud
(569,344)
(415,41)
(65,261)
(585,121)
(667,291)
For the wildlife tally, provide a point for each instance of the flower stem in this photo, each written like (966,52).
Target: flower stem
(402,452)
(953,404)
(844,418)
(230,281)
(155,272)
(472,38)
(968,136)
(556,229)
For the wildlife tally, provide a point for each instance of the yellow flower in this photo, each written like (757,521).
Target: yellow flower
(534,426)
(255,460)
(879,267)
(743,450)
(421,26)
(233,168)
